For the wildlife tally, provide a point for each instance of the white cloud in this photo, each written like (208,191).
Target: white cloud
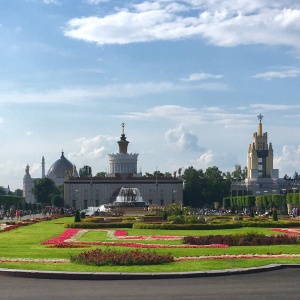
(96,2)
(222,23)
(205,160)
(288,160)
(182,139)
(76,95)
(95,147)
(274,107)
(201,76)
(1,120)
(29,133)
(52,2)
(289,73)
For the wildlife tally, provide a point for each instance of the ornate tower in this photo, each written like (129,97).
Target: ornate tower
(123,162)
(260,155)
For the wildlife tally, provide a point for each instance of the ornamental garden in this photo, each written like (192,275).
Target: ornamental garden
(168,241)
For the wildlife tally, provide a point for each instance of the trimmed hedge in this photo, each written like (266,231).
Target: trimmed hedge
(170,226)
(86,225)
(250,239)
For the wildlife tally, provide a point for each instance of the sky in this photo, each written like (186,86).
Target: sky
(188,78)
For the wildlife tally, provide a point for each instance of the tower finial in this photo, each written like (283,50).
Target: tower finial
(260,117)
(123,126)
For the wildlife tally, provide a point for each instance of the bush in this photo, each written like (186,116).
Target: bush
(249,239)
(87,225)
(112,257)
(77,216)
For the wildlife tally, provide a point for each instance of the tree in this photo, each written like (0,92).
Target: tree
(217,187)
(239,173)
(101,174)
(85,172)
(43,189)
(2,191)
(194,186)
(18,193)
(57,201)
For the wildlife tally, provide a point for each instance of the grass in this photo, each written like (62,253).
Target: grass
(25,242)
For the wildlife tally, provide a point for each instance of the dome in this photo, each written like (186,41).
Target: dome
(61,167)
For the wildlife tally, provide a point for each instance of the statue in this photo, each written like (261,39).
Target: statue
(27,169)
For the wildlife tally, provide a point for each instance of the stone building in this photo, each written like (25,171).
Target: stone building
(84,192)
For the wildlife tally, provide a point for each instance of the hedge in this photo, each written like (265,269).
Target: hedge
(86,225)
(169,226)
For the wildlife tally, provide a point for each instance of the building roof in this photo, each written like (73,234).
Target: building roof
(61,167)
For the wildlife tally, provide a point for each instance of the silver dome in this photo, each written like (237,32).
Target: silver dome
(61,167)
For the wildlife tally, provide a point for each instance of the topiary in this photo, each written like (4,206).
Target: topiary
(275,216)
(77,216)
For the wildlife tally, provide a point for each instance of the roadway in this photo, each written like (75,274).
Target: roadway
(275,284)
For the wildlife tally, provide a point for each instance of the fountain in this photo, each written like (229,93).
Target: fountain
(129,197)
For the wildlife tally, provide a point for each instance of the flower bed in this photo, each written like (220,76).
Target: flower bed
(67,234)
(110,257)
(68,237)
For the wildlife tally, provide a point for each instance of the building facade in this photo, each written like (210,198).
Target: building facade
(84,192)
(262,178)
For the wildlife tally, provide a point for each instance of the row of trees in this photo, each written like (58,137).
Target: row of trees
(263,202)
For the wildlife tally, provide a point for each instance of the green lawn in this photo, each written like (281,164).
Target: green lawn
(25,242)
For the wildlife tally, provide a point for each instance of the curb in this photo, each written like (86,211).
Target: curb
(140,276)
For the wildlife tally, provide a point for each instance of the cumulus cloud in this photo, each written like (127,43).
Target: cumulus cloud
(281,74)
(94,147)
(221,23)
(288,160)
(201,76)
(182,139)
(205,160)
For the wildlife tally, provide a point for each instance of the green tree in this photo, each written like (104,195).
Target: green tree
(57,201)
(18,193)
(194,186)
(101,174)
(2,191)
(85,172)
(43,189)
(239,173)
(217,187)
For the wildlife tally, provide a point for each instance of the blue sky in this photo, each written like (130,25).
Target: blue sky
(188,78)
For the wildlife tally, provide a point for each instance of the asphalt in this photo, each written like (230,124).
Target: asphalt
(135,276)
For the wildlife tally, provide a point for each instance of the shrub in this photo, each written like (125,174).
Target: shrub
(249,239)
(275,216)
(77,216)
(112,257)
(87,225)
